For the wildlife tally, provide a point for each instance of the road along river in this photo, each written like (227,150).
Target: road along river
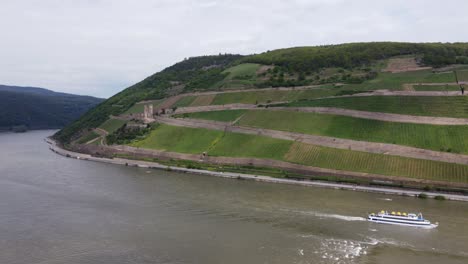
(59,210)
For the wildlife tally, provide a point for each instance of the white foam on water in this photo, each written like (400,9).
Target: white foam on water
(335,216)
(386,199)
(340,249)
(341,217)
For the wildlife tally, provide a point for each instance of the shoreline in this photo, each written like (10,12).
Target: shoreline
(154,165)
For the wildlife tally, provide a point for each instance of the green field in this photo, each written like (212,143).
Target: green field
(462,75)
(243,145)
(112,125)
(240,76)
(395,81)
(262,97)
(217,143)
(178,139)
(443,106)
(184,101)
(439,138)
(223,115)
(88,137)
(376,163)
(436,87)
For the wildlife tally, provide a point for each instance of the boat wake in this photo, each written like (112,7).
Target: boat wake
(334,216)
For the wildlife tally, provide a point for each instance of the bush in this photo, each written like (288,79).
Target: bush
(440,198)
(422,196)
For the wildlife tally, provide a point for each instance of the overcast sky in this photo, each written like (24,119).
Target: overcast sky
(99,47)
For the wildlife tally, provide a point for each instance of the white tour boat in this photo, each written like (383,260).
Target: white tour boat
(397,218)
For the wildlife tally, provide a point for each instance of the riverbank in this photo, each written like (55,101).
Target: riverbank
(154,165)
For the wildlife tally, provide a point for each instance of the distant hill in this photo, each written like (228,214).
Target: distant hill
(39,108)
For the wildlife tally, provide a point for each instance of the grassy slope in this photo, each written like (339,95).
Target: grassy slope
(239,76)
(415,135)
(462,75)
(90,136)
(112,125)
(272,95)
(242,145)
(223,116)
(395,81)
(217,143)
(186,140)
(184,101)
(449,106)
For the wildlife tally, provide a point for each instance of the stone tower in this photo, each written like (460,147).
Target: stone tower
(148,113)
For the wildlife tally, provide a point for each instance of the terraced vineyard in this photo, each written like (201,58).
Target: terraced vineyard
(217,143)
(462,75)
(443,106)
(223,116)
(112,125)
(183,140)
(376,163)
(440,138)
(395,81)
(90,136)
(185,101)
(242,145)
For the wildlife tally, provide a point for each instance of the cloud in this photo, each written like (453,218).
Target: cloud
(101,47)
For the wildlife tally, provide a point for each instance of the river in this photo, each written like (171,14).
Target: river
(60,210)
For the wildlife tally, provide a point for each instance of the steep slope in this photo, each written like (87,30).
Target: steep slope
(372,112)
(38,108)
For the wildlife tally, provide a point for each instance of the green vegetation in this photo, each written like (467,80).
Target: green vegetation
(395,81)
(243,145)
(422,196)
(443,106)
(139,108)
(177,139)
(436,87)
(184,101)
(223,115)
(23,108)
(240,76)
(267,96)
(439,138)
(112,125)
(126,134)
(217,143)
(462,75)
(88,137)
(350,160)
(303,59)
(136,108)
(203,100)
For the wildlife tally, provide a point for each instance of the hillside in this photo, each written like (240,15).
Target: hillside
(38,108)
(369,113)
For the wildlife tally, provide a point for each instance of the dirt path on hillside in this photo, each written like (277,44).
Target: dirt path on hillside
(334,111)
(372,147)
(401,93)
